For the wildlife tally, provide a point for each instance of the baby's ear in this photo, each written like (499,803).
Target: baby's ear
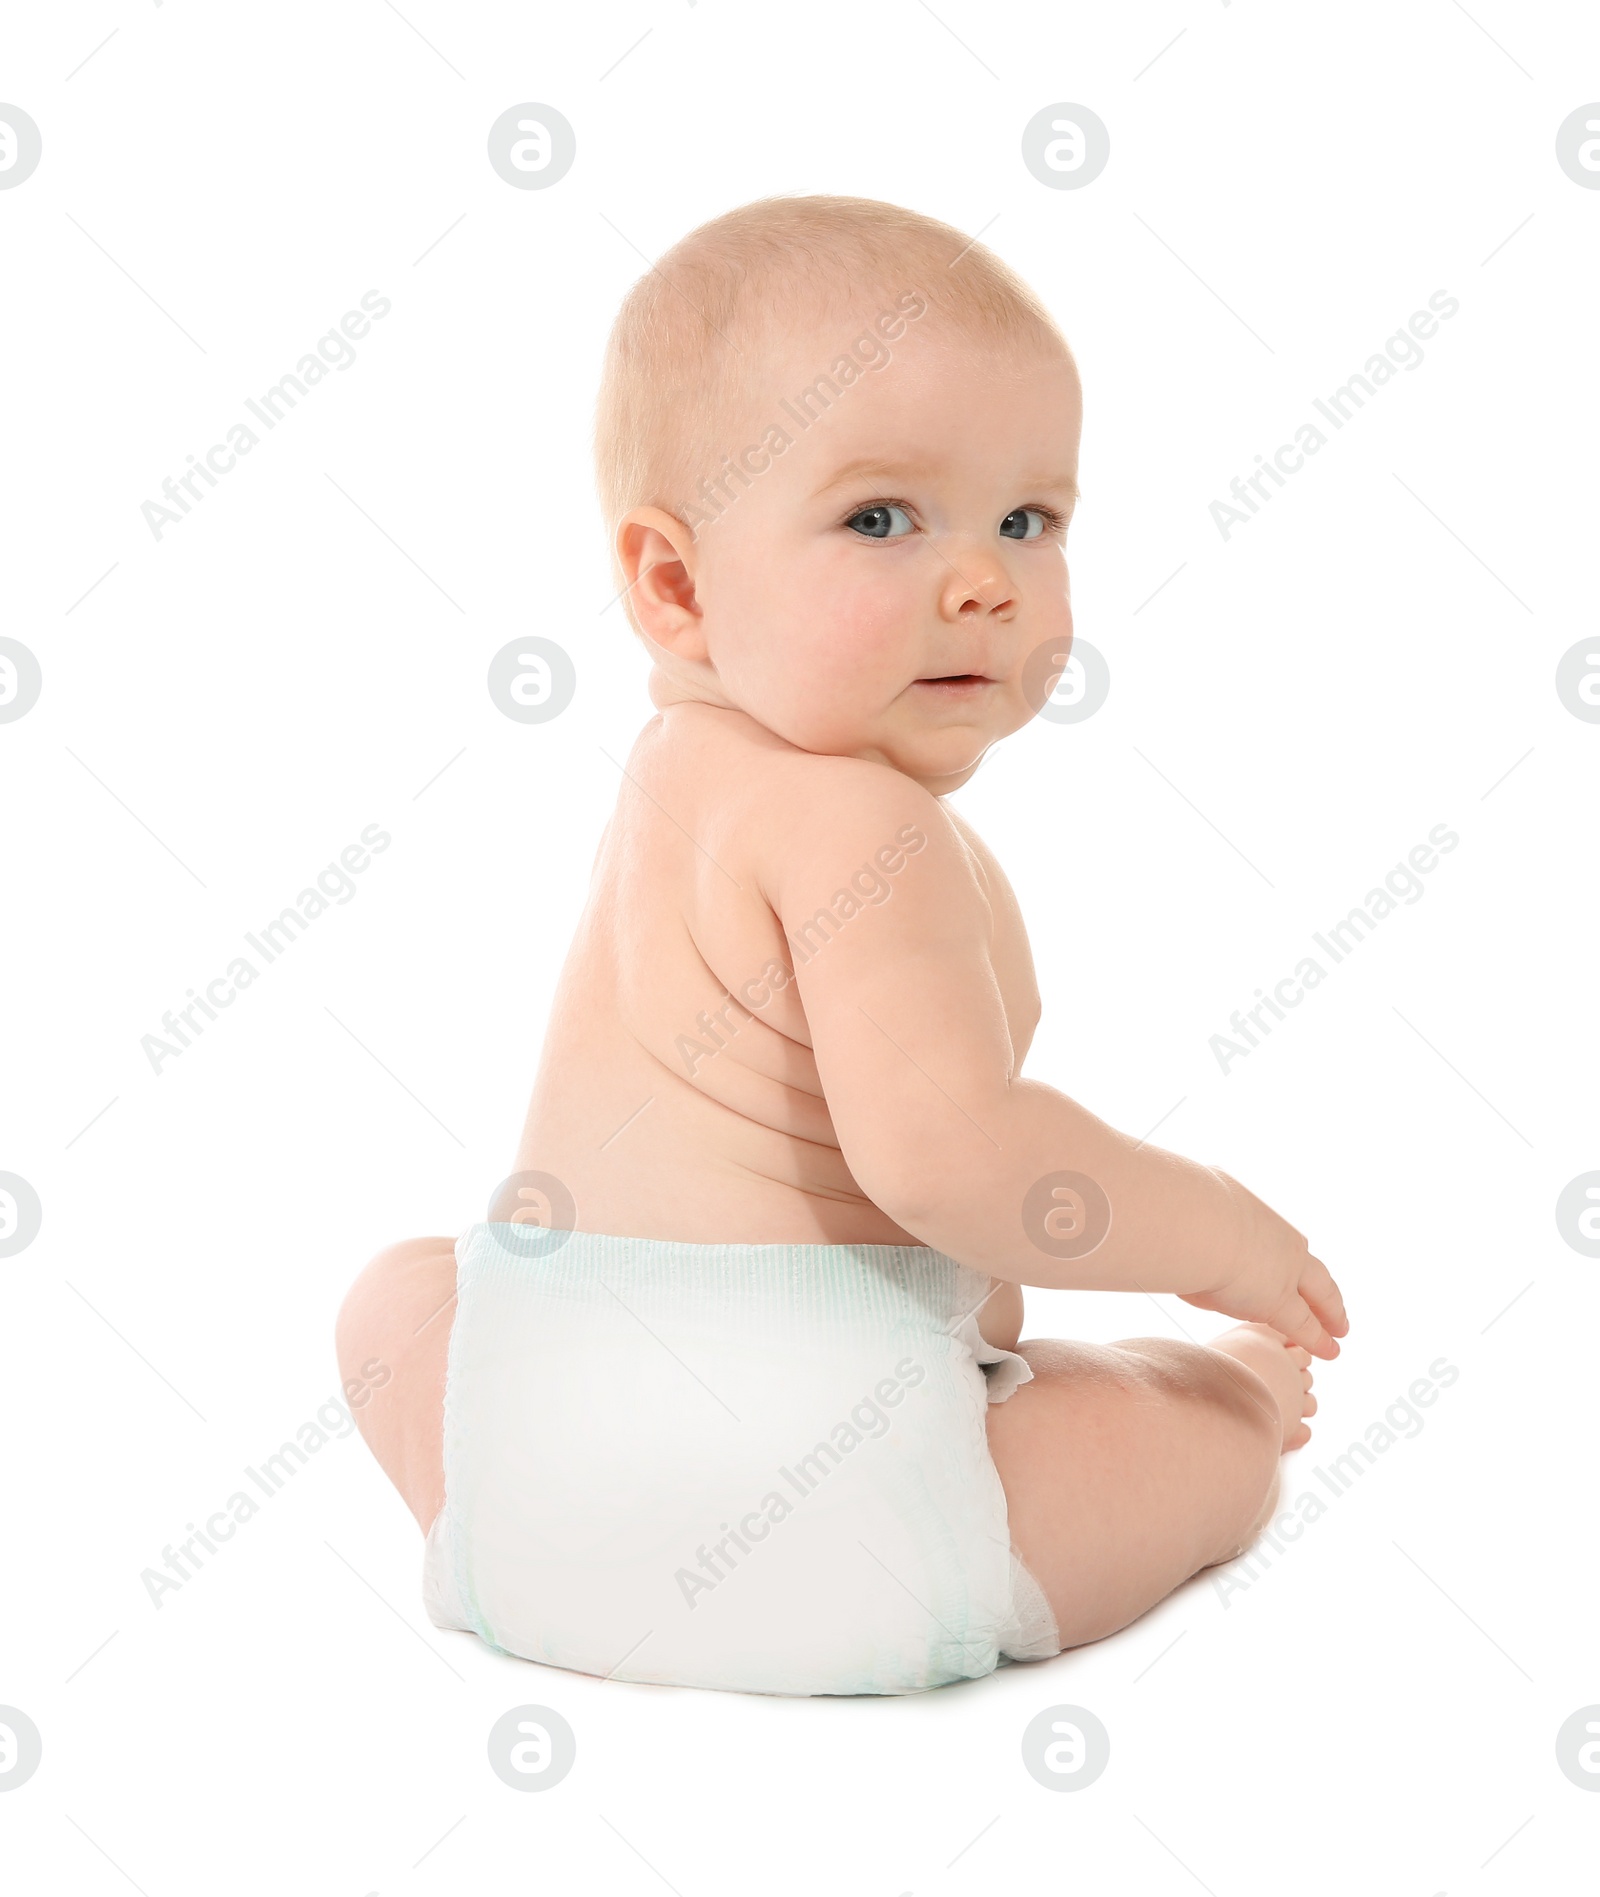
(656,554)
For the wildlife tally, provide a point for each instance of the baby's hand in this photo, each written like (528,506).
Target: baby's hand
(1275,1280)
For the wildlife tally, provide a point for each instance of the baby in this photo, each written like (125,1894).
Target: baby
(726,1390)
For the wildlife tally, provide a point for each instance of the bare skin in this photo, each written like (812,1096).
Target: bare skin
(735,1054)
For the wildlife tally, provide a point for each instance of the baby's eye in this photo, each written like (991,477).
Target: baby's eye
(1026,523)
(884,521)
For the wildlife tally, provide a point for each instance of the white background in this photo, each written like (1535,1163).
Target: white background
(226,708)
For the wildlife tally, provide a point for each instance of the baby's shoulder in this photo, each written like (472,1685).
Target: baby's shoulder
(745,774)
(984,862)
(803,803)
(768,804)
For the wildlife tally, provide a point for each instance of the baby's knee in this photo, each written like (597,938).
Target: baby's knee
(1231,1405)
(360,1310)
(1239,1423)
(388,1292)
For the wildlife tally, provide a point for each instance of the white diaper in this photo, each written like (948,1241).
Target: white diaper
(762,1468)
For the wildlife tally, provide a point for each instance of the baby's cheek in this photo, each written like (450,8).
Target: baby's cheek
(872,622)
(842,629)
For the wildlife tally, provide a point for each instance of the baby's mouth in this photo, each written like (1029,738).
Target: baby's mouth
(958,681)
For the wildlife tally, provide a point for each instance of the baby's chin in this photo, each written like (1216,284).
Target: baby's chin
(941,759)
(939,750)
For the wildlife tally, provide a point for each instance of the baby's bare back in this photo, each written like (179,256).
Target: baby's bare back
(678,1095)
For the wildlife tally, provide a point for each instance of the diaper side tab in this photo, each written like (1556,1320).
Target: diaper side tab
(1003,1370)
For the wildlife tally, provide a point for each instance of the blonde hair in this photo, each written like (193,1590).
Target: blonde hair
(686,348)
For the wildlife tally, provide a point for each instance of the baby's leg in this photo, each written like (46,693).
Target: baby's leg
(400,1311)
(1000,1314)
(1129,1467)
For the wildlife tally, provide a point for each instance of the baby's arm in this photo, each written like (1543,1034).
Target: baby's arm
(916,1063)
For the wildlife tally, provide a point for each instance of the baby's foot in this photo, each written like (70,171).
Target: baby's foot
(1285,1369)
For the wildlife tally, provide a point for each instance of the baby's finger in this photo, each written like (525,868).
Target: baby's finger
(1322,1294)
(1300,1324)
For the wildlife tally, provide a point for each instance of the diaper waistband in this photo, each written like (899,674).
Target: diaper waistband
(810,1283)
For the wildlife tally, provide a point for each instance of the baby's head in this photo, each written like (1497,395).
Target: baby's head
(837,450)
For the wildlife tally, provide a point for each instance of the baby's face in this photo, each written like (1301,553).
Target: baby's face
(879,590)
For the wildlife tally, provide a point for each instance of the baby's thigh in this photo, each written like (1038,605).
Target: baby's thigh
(399,1312)
(1000,1314)
(1127,1468)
